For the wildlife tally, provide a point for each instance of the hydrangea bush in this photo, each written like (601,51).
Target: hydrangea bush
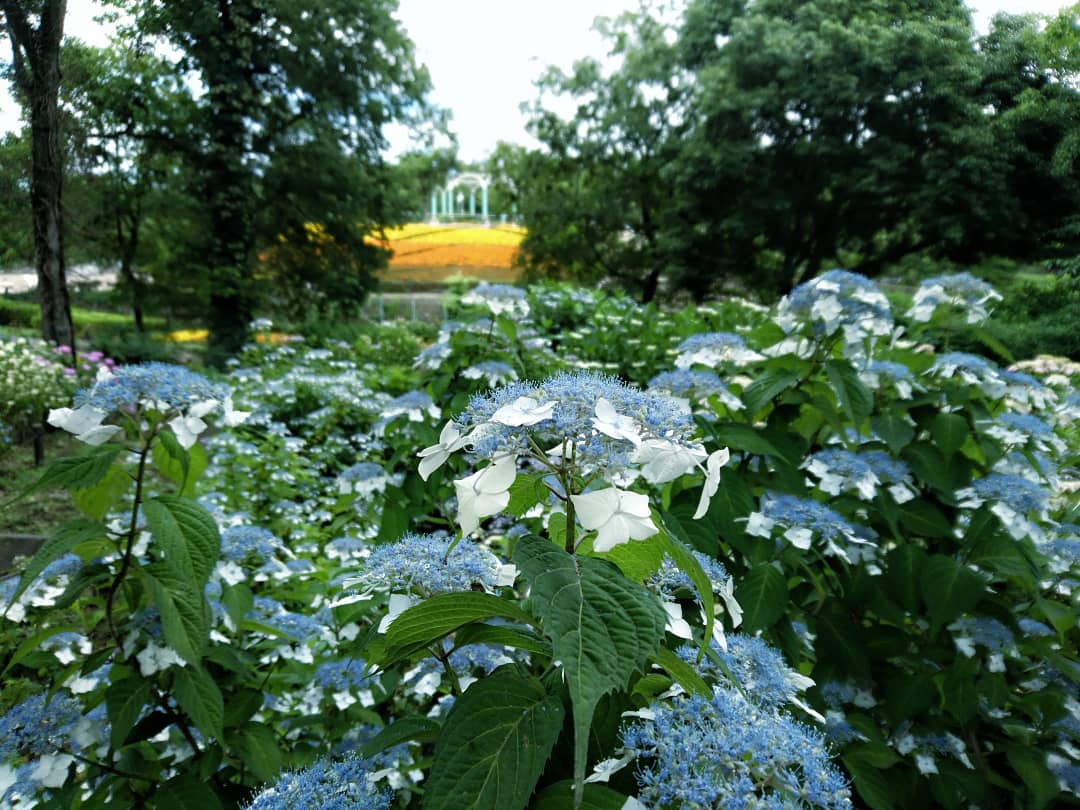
(812,564)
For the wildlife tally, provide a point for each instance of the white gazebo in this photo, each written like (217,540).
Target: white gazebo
(450,202)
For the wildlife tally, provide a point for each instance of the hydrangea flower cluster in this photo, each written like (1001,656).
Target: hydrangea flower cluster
(344,784)
(839,470)
(970,369)
(1013,499)
(804,519)
(172,391)
(30,382)
(1026,390)
(727,751)
(364,478)
(960,290)
(500,299)
(836,301)
(671,583)
(755,668)
(883,374)
(985,632)
(694,384)
(581,427)
(1016,430)
(492,372)
(714,349)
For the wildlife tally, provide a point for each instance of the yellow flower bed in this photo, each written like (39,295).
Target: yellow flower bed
(419,232)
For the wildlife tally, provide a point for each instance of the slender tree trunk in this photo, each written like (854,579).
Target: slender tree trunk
(127,267)
(36,62)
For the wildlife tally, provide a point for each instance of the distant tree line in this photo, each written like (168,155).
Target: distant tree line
(755,144)
(209,135)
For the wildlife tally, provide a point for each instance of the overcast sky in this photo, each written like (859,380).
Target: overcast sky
(484,55)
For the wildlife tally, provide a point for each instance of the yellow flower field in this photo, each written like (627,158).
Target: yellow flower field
(426,252)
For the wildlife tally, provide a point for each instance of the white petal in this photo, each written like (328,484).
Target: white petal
(187,429)
(664,461)
(77,421)
(523,411)
(99,435)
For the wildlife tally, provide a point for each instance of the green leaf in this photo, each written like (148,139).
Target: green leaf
(1040,780)
(200,699)
(258,749)
(493,745)
(501,635)
(950,431)
(177,464)
(124,701)
(949,589)
(894,429)
(766,387)
(903,573)
(78,472)
(841,647)
(186,792)
(409,728)
(639,559)
(682,673)
(762,594)
(855,398)
(31,644)
(100,499)
(184,614)
(747,438)
(993,344)
(603,627)
(560,796)
(925,519)
(870,783)
(441,615)
(929,465)
(187,535)
(66,538)
(525,493)
(1001,555)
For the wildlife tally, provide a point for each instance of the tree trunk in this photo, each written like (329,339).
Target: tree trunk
(36,62)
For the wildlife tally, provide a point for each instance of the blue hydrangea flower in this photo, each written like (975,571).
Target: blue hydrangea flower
(416,405)
(1027,390)
(839,470)
(338,784)
(726,751)
(836,301)
(38,726)
(419,563)
(713,349)
(177,387)
(971,369)
(880,374)
(670,581)
(1024,430)
(757,669)
(1018,493)
(501,299)
(249,543)
(296,626)
(694,384)
(574,396)
(985,632)
(804,519)
(961,290)
(363,478)
(492,372)
(344,675)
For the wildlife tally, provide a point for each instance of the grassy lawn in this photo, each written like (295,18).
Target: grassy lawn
(40,512)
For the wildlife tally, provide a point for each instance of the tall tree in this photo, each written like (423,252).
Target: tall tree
(288,131)
(35,29)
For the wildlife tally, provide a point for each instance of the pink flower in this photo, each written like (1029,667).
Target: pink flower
(65,349)
(69,372)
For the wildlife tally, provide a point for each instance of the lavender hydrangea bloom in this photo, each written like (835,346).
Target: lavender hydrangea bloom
(341,785)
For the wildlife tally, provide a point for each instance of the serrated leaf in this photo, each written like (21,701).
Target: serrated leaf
(441,615)
(100,499)
(177,464)
(762,594)
(66,538)
(184,613)
(747,438)
(950,431)
(768,385)
(409,728)
(1002,556)
(200,699)
(493,745)
(258,749)
(560,796)
(525,493)
(639,559)
(124,702)
(78,472)
(855,398)
(949,589)
(186,534)
(1040,780)
(894,430)
(603,627)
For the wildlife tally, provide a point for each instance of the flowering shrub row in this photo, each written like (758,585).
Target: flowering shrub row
(781,558)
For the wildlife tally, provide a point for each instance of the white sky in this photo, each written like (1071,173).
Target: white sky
(483,55)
